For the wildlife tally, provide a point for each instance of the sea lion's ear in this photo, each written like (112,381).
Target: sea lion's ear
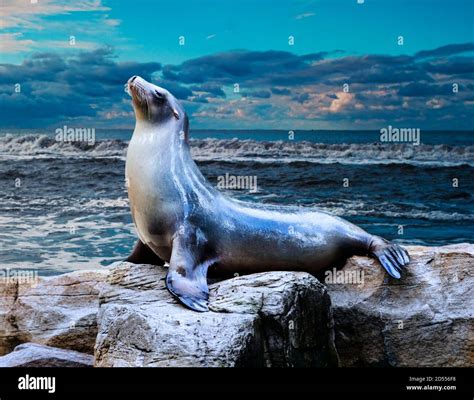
(175,113)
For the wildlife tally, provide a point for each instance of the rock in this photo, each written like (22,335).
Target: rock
(58,311)
(37,355)
(267,319)
(423,320)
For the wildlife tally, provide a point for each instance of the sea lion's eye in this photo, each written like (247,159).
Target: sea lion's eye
(159,95)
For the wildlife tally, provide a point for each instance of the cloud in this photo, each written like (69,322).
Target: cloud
(261,94)
(210,89)
(301,98)
(424,90)
(178,90)
(13,43)
(27,15)
(342,100)
(453,66)
(445,51)
(277,88)
(281,91)
(435,103)
(305,15)
(383,88)
(111,21)
(55,88)
(22,20)
(237,66)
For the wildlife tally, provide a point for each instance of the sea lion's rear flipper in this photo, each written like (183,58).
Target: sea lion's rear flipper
(187,274)
(142,254)
(392,256)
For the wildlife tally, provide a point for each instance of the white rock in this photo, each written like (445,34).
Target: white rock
(37,355)
(58,311)
(426,319)
(267,319)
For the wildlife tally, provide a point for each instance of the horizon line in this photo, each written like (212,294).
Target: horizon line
(256,129)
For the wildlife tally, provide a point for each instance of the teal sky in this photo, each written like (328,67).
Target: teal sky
(369,28)
(146,30)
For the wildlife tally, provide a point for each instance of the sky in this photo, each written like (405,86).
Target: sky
(333,64)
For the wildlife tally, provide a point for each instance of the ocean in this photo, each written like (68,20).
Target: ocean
(64,206)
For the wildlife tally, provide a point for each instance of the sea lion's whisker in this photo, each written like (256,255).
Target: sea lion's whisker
(140,92)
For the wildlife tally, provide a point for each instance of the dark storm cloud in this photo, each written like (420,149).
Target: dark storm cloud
(179,91)
(239,65)
(284,68)
(55,88)
(284,92)
(301,98)
(390,74)
(214,90)
(97,66)
(261,94)
(425,90)
(455,66)
(445,51)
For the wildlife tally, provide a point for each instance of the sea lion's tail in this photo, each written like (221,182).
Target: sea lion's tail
(392,256)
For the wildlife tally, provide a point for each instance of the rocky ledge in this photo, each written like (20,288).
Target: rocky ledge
(38,355)
(123,316)
(425,319)
(59,311)
(267,319)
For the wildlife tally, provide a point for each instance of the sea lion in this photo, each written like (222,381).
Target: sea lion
(182,219)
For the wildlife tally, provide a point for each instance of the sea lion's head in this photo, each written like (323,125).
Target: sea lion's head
(152,103)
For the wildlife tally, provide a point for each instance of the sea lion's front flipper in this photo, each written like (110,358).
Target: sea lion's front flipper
(142,254)
(186,278)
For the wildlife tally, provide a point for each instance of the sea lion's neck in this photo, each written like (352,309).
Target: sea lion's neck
(163,151)
(158,140)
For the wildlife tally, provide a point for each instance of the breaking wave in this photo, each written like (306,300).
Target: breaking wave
(43,145)
(260,151)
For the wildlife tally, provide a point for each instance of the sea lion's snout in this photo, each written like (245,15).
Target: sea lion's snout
(138,80)
(136,87)
(141,93)
(152,102)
